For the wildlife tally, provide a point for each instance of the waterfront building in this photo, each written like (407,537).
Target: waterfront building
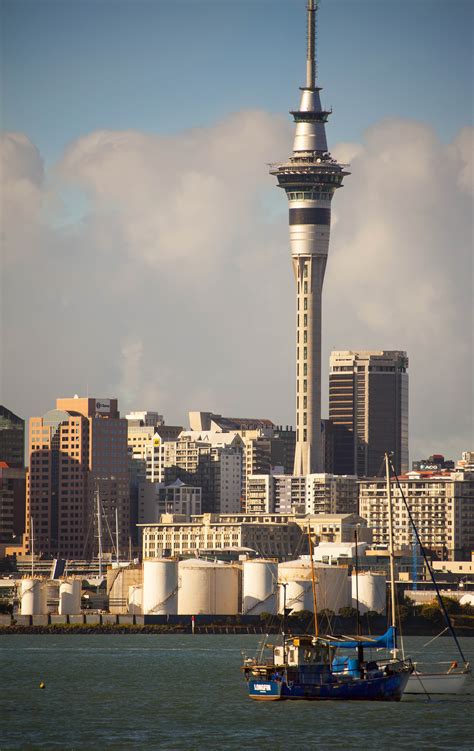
(78,457)
(12,438)
(271,535)
(309,178)
(442,506)
(368,407)
(267,536)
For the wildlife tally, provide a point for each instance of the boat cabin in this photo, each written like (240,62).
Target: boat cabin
(301,650)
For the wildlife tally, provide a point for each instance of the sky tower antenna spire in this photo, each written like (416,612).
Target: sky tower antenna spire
(311,51)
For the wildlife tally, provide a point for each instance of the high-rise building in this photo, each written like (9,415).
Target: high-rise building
(12,477)
(78,464)
(309,178)
(12,438)
(368,407)
(12,503)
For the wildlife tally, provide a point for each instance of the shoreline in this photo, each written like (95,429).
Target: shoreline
(232,625)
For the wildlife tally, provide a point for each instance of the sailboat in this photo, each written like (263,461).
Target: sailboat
(317,667)
(435,678)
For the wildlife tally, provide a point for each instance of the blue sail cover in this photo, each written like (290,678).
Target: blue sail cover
(386,641)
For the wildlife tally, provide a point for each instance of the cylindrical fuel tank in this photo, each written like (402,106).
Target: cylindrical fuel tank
(160,586)
(332,586)
(209,588)
(135,599)
(70,597)
(30,597)
(371,591)
(259,587)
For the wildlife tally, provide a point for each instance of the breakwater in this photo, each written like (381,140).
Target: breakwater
(106,623)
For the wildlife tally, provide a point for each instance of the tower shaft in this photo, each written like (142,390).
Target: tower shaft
(309,178)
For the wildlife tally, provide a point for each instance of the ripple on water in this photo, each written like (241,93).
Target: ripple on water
(180,692)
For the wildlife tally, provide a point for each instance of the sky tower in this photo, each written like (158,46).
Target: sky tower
(309,178)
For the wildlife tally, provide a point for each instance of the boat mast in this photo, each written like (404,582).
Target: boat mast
(99,531)
(357,580)
(32,546)
(117,535)
(390,548)
(313,582)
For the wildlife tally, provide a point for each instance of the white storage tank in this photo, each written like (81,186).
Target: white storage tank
(30,597)
(135,599)
(208,588)
(49,597)
(371,592)
(70,597)
(332,586)
(259,587)
(160,586)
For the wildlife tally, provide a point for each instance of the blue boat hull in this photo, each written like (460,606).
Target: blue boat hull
(383,688)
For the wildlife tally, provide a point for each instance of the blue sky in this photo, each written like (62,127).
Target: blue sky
(70,67)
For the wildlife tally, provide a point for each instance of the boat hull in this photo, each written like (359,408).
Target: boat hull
(436,683)
(384,688)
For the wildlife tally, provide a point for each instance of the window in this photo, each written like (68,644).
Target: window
(305,303)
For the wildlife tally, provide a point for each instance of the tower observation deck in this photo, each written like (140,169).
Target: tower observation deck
(309,178)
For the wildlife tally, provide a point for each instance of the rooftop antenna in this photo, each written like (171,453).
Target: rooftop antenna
(311,68)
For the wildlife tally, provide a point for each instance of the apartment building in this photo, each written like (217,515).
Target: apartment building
(157,498)
(305,494)
(442,506)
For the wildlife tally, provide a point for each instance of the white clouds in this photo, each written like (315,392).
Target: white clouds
(401,259)
(177,281)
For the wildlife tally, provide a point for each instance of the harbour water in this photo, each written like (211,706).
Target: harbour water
(180,693)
